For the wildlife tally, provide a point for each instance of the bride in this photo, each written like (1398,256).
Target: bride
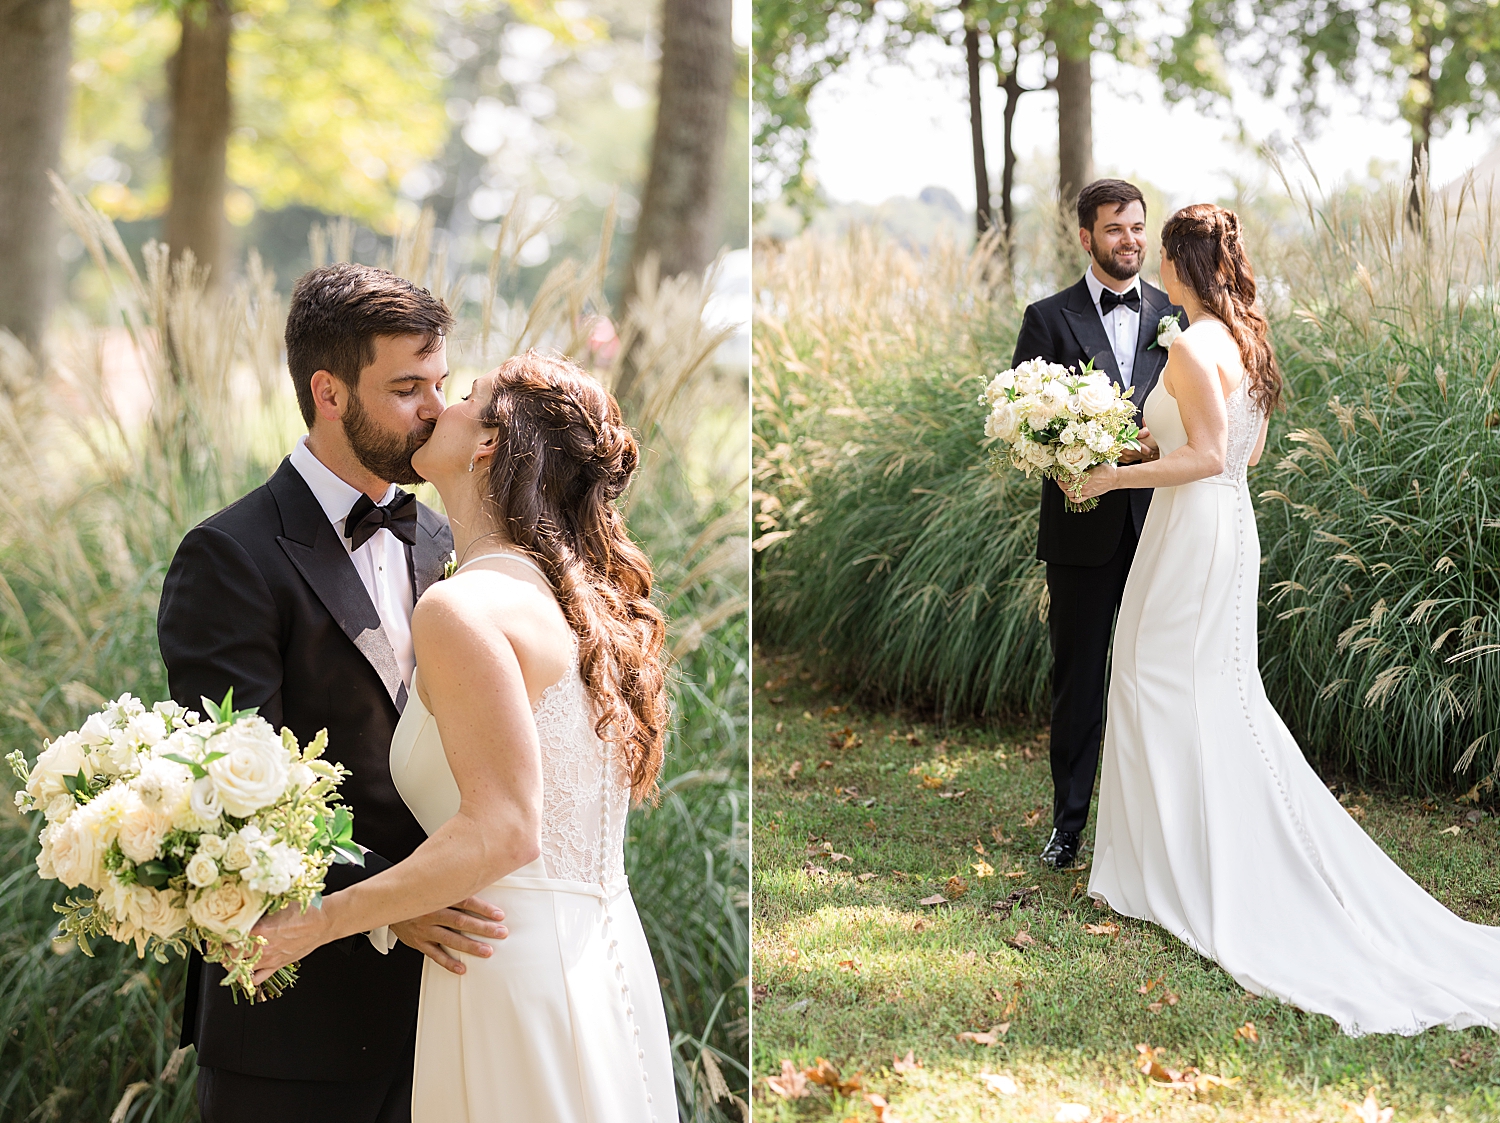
(1211,824)
(538,713)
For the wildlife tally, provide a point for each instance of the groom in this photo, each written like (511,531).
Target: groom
(1110,316)
(299,596)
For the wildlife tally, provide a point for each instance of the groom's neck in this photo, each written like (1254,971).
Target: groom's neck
(1112,283)
(334,453)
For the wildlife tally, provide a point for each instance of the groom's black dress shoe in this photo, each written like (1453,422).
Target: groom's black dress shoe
(1061,850)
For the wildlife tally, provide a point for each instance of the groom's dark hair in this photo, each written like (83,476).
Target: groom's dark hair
(1115,192)
(337,313)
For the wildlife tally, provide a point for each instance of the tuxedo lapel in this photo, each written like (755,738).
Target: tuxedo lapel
(313,547)
(1149,359)
(1083,321)
(428,556)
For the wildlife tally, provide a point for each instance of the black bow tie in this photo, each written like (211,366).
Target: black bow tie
(399,516)
(1109,300)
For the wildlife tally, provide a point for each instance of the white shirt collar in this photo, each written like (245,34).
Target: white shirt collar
(1096,286)
(334,495)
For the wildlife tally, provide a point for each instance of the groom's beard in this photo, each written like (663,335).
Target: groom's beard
(387,455)
(1119,270)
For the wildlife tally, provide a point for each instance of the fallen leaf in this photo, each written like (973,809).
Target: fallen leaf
(791,1084)
(1108,928)
(836,858)
(849,965)
(1014,873)
(1148,986)
(982,870)
(1018,898)
(1248,1033)
(822,764)
(1356,812)
(867,877)
(1154,1007)
(907,1064)
(1455,830)
(953,795)
(778,726)
(913,738)
(999,1083)
(1370,1111)
(1170,998)
(919,926)
(791,773)
(931,782)
(829,711)
(955,887)
(979,848)
(814,871)
(998,834)
(985,1038)
(884,1112)
(935,899)
(1032,818)
(1072,1113)
(827,1075)
(1022,940)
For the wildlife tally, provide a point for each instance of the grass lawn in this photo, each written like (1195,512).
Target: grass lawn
(860,816)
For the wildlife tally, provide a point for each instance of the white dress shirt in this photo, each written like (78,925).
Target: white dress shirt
(1122,325)
(382,566)
(380,562)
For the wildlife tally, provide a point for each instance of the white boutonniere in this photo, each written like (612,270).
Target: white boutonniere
(450,566)
(1167,331)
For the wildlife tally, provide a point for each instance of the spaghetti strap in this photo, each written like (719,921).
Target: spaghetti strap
(522,558)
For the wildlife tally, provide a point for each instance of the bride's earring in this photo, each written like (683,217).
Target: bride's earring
(471,463)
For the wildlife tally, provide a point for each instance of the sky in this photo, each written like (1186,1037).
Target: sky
(882,131)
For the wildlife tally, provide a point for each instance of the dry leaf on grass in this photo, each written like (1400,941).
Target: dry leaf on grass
(982,870)
(909,1063)
(1370,1111)
(932,781)
(998,835)
(1108,928)
(1149,985)
(849,965)
(1454,830)
(935,899)
(955,887)
(1189,1080)
(884,1112)
(953,795)
(1072,1113)
(1032,818)
(986,1037)
(822,764)
(813,870)
(791,773)
(827,1075)
(1022,940)
(1000,1083)
(867,877)
(979,848)
(791,1084)
(1248,1033)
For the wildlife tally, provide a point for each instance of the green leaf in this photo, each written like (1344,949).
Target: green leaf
(348,855)
(153,874)
(198,770)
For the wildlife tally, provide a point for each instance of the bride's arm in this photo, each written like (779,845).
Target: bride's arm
(1192,377)
(479,698)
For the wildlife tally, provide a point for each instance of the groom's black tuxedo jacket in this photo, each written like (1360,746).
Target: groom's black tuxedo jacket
(1065,328)
(263,597)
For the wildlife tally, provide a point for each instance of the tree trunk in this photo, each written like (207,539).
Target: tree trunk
(984,217)
(1421,136)
(199,138)
(34,53)
(679,219)
(1075,124)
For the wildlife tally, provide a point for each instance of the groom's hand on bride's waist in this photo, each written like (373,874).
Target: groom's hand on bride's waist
(440,933)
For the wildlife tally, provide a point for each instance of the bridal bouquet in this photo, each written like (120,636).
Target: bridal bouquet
(1052,420)
(180,831)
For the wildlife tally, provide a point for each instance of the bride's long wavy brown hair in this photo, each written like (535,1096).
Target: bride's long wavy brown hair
(563,459)
(1204,245)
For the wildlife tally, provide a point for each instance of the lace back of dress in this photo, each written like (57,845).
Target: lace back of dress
(1244,427)
(585,788)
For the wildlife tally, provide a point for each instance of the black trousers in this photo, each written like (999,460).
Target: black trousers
(233,1097)
(1084,600)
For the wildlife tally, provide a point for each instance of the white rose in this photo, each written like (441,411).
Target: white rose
(1094,399)
(301,777)
(211,845)
(236,853)
(78,850)
(1003,423)
(231,906)
(202,870)
(1168,332)
(44,867)
(67,756)
(141,830)
(59,807)
(1038,455)
(96,730)
(155,912)
(252,773)
(1075,458)
(204,800)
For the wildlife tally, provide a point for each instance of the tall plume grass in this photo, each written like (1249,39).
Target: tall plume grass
(179,404)
(886,549)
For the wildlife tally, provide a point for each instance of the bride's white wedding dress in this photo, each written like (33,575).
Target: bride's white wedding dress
(564,1022)
(1212,824)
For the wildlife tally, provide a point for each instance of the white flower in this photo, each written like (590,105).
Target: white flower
(77,850)
(142,829)
(1072,433)
(162,784)
(67,756)
(1168,330)
(204,800)
(1028,378)
(44,867)
(1098,438)
(202,870)
(1038,455)
(230,906)
(147,730)
(1003,423)
(155,912)
(1075,458)
(211,845)
(106,812)
(240,848)
(274,869)
(300,777)
(59,807)
(252,773)
(96,730)
(1094,398)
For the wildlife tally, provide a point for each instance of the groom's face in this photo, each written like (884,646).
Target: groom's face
(391,413)
(1117,243)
